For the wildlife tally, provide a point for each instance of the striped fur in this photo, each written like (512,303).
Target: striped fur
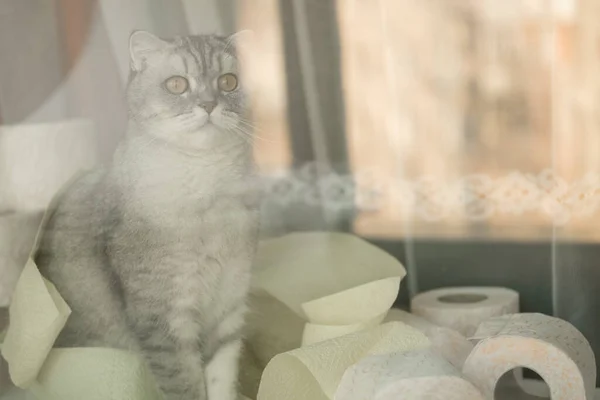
(153,251)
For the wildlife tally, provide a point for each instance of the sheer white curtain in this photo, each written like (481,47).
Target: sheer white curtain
(58,119)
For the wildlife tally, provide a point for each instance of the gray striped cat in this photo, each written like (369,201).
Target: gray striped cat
(153,251)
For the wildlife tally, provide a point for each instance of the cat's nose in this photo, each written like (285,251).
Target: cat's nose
(208,106)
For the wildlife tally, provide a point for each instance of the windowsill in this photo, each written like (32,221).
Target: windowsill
(526,230)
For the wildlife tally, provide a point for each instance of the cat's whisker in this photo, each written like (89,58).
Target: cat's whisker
(247,125)
(254,135)
(250,125)
(246,133)
(247,138)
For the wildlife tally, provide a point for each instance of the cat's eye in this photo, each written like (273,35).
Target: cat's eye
(228,82)
(177,84)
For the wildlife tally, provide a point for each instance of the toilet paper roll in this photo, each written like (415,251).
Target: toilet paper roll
(314,372)
(553,348)
(448,343)
(37,159)
(464,308)
(415,375)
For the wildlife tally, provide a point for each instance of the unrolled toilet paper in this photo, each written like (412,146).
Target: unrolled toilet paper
(414,375)
(321,284)
(464,308)
(420,323)
(445,342)
(17,234)
(306,326)
(553,348)
(37,315)
(37,312)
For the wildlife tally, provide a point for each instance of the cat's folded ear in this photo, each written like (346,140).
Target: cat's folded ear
(241,39)
(141,45)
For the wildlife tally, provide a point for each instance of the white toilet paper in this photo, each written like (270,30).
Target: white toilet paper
(553,348)
(420,323)
(448,343)
(314,372)
(37,159)
(415,375)
(464,308)
(17,234)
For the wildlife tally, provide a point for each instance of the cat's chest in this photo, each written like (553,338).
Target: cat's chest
(213,274)
(213,247)
(206,266)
